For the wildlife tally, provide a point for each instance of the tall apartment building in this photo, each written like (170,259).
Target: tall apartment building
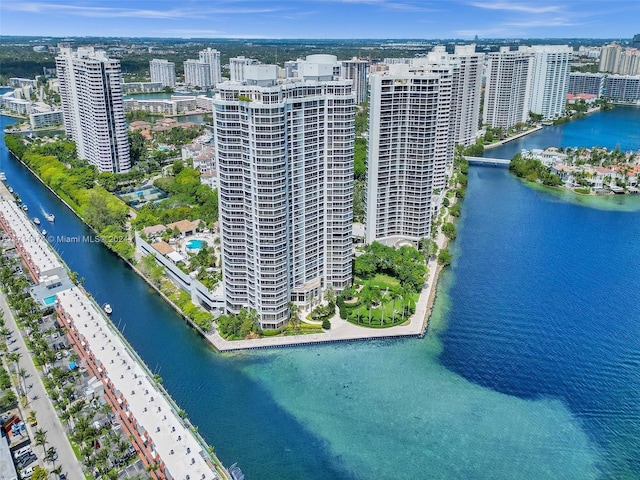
(197,73)
(211,57)
(163,72)
(591,83)
(356,70)
(466,89)
(91,96)
(237,66)
(285,165)
(618,60)
(610,58)
(622,88)
(508,88)
(550,79)
(409,149)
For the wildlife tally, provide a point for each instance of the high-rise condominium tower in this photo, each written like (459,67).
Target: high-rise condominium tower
(285,164)
(356,70)
(163,71)
(550,82)
(211,57)
(508,88)
(409,149)
(466,87)
(197,73)
(91,98)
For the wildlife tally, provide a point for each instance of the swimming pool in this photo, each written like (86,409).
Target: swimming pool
(194,244)
(50,300)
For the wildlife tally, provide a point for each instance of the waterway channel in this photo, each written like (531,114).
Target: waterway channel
(530,368)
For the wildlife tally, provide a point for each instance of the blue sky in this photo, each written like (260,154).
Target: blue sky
(323,18)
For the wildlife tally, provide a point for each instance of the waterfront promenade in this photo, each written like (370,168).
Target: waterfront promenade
(167,445)
(514,137)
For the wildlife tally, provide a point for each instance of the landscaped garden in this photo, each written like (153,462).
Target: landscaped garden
(387,286)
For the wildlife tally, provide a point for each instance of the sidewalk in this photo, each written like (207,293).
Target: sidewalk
(40,403)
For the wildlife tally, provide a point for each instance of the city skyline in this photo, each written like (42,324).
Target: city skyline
(331,19)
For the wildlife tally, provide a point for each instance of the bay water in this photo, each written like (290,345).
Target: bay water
(530,368)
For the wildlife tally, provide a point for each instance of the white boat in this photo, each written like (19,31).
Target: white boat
(44,233)
(25,208)
(2,176)
(36,221)
(50,217)
(10,189)
(107,309)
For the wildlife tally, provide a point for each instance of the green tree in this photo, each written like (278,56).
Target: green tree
(39,473)
(137,146)
(444,257)
(294,316)
(449,230)
(40,437)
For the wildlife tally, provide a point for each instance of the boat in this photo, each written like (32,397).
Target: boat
(3,176)
(10,189)
(107,309)
(25,208)
(36,220)
(44,233)
(50,217)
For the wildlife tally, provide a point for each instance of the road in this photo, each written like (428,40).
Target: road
(46,415)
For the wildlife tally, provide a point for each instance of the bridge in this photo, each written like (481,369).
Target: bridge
(495,162)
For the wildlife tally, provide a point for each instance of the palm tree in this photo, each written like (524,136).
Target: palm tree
(294,316)
(57,471)
(40,437)
(51,453)
(14,357)
(22,373)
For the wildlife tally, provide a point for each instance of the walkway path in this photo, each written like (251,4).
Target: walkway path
(40,403)
(507,140)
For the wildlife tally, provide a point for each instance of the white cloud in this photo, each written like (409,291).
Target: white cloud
(516,7)
(117,12)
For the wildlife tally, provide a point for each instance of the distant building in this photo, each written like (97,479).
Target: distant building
(237,66)
(211,57)
(591,83)
(46,119)
(508,88)
(163,72)
(635,43)
(550,79)
(622,88)
(410,147)
(9,102)
(618,60)
(285,167)
(141,87)
(17,82)
(356,70)
(197,73)
(91,95)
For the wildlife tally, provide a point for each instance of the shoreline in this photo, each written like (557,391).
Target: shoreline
(514,137)
(341,330)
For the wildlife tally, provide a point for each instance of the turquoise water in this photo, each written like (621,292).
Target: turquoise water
(530,369)
(195,244)
(50,300)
